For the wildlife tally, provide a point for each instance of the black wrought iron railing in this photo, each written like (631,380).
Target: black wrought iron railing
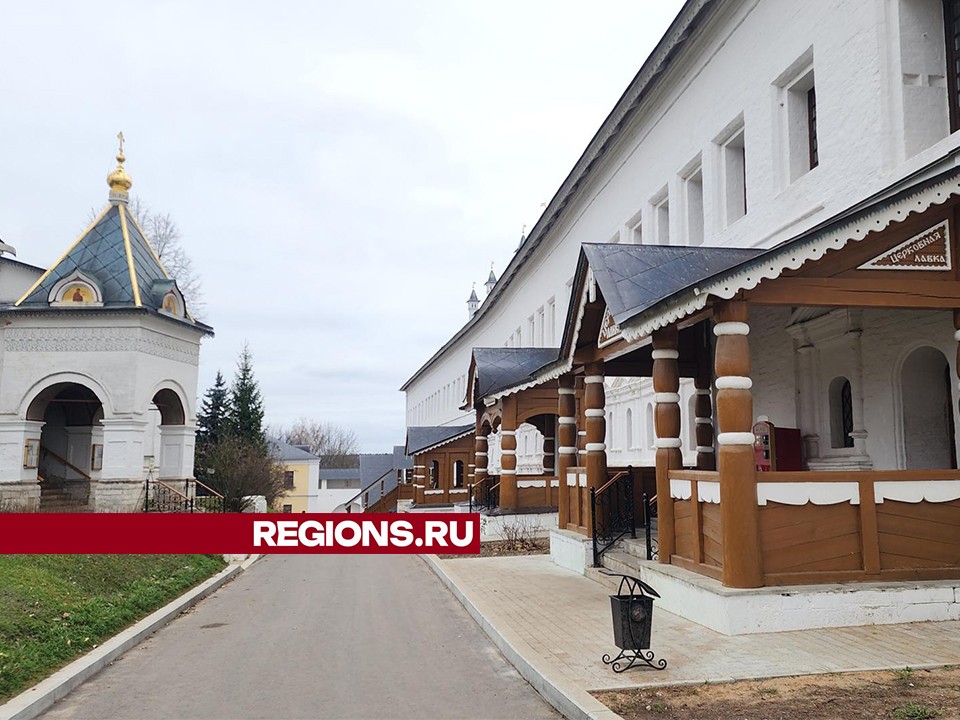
(485,495)
(649,518)
(160,497)
(612,513)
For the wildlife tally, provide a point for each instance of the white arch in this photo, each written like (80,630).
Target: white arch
(895,375)
(66,377)
(177,388)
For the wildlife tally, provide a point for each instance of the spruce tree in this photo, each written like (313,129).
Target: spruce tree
(214,412)
(246,404)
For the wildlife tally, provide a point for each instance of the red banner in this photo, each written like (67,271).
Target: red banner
(237,534)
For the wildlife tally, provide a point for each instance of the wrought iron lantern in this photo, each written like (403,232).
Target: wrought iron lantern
(632,621)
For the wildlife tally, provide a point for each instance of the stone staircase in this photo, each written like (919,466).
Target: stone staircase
(64,496)
(625,557)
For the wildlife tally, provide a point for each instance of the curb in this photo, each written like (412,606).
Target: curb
(571,701)
(43,695)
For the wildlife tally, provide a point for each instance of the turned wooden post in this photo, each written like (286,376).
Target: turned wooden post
(596,426)
(419,479)
(666,388)
(508,454)
(549,457)
(567,435)
(739,514)
(706,458)
(480,455)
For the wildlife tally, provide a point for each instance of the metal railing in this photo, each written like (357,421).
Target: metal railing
(161,497)
(485,495)
(612,513)
(649,513)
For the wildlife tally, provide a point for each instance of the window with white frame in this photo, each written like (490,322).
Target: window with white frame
(797,106)
(732,173)
(634,228)
(551,321)
(692,182)
(661,217)
(541,334)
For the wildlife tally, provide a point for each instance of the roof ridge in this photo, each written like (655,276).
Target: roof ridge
(134,283)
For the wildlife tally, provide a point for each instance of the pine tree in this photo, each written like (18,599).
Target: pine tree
(214,413)
(246,404)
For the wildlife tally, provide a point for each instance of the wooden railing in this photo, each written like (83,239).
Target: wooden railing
(831,526)
(66,463)
(612,513)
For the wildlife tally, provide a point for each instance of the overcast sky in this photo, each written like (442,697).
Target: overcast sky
(341,172)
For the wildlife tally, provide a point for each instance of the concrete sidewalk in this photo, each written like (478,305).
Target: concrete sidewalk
(562,621)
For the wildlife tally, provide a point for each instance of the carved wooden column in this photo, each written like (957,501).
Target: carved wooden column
(567,435)
(549,458)
(508,454)
(419,479)
(596,425)
(706,458)
(738,487)
(666,388)
(480,455)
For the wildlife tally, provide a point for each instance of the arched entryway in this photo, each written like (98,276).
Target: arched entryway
(171,459)
(70,450)
(928,426)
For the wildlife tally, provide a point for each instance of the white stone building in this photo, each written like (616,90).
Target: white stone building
(98,371)
(752,122)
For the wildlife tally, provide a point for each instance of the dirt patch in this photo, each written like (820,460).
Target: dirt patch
(505,548)
(898,695)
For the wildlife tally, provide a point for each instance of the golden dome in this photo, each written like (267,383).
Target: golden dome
(118,180)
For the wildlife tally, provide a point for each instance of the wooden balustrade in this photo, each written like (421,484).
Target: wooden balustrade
(817,527)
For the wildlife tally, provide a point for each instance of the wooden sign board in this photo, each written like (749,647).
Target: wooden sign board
(930,250)
(609,330)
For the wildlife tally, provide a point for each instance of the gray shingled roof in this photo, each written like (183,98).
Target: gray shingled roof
(634,278)
(421,438)
(400,459)
(502,368)
(340,473)
(289,453)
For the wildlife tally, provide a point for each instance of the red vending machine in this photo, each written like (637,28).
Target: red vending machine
(776,448)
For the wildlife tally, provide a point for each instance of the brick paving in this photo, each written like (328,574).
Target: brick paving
(564,621)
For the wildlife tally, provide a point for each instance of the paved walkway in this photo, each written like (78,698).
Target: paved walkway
(563,620)
(315,636)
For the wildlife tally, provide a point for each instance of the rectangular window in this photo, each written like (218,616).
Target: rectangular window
(551,322)
(661,217)
(812,127)
(799,149)
(288,508)
(733,174)
(693,199)
(634,229)
(531,334)
(951,21)
(541,334)
(288,480)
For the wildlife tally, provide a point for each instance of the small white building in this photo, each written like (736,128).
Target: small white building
(98,370)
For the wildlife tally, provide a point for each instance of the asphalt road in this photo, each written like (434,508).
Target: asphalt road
(314,636)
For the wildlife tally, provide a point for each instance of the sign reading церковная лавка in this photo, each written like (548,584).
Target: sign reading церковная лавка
(930,250)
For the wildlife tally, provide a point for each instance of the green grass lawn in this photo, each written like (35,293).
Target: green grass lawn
(54,608)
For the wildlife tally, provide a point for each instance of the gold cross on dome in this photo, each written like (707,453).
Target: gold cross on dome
(120,138)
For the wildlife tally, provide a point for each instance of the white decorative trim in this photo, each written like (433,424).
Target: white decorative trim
(433,492)
(566,391)
(555,483)
(956,335)
(665,354)
(459,490)
(567,450)
(504,471)
(594,412)
(668,443)
(703,421)
(680,489)
(417,485)
(481,437)
(935,491)
(801,493)
(508,432)
(531,483)
(419,467)
(734,382)
(666,398)
(444,442)
(595,447)
(582,432)
(702,391)
(593,379)
(77,339)
(479,454)
(574,479)
(708,491)
(504,451)
(736,438)
(704,449)
(791,257)
(567,420)
(731,328)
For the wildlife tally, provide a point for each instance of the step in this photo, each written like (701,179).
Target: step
(638,546)
(622,562)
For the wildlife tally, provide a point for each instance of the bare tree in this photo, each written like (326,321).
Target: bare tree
(336,446)
(239,471)
(162,232)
